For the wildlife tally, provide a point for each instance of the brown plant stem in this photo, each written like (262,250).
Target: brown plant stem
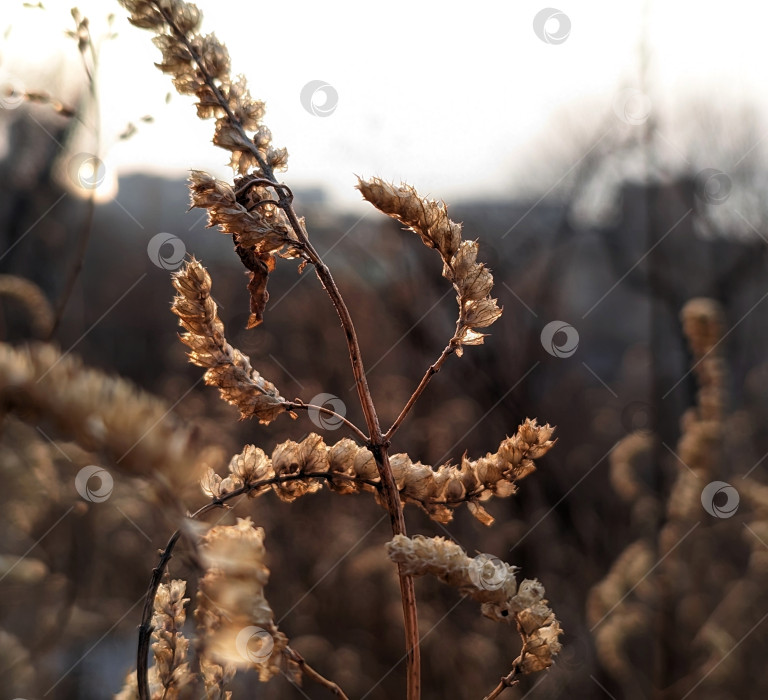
(145,628)
(87,227)
(506,682)
(431,372)
(378,445)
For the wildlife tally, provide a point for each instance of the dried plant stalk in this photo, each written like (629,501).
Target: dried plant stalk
(258,213)
(657,567)
(170,677)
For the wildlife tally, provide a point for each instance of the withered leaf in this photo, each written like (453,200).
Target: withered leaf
(260,266)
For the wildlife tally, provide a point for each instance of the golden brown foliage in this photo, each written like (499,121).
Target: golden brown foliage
(296,469)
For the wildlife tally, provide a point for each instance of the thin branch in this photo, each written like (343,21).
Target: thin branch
(87,227)
(145,629)
(313,675)
(431,372)
(299,405)
(507,681)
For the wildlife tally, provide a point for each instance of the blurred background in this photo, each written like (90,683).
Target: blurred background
(612,163)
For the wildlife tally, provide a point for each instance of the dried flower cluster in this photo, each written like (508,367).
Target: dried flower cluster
(200,66)
(226,367)
(429,219)
(492,583)
(100,411)
(703,325)
(296,469)
(236,621)
(670,563)
(170,647)
(170,676)
(700,446)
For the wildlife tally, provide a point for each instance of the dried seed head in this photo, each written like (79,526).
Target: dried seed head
(492,583)
(200,65)
(170,647)
(429,219)
(227,368)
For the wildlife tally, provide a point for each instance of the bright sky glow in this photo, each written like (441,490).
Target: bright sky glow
(450,96)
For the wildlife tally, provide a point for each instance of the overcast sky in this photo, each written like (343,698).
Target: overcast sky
(453,97)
